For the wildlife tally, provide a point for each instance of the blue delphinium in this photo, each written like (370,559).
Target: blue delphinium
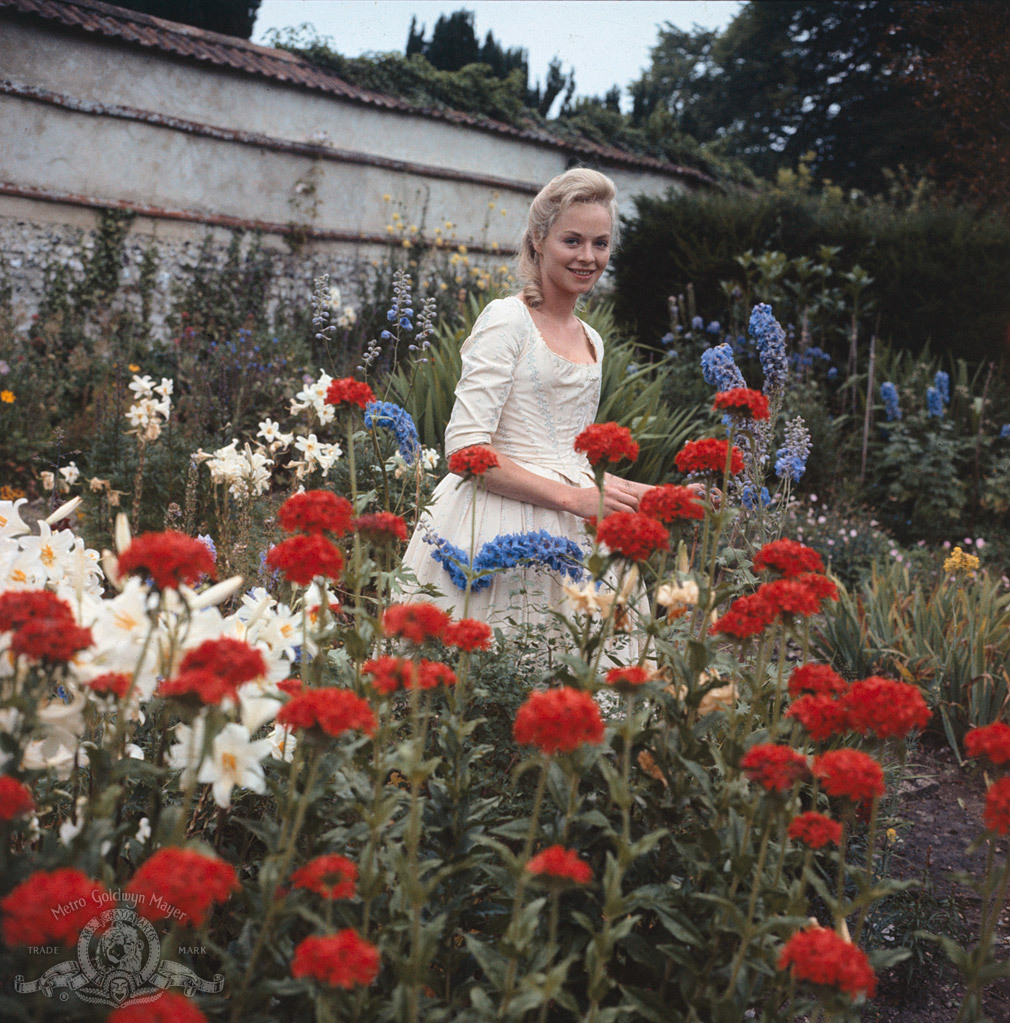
(889,395)
(697,323)
(942,383)
(791,458)
(538,549)
(719,369)
(208,541)
(749,500)
(1004,431)
(393,417)
(934,402)
(714,327)
(770,340)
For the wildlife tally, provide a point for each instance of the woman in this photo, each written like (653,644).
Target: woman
(530,384)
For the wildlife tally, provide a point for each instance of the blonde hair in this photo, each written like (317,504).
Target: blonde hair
(580,184)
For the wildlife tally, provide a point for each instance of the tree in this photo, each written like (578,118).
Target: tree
(453,43)
(230,17)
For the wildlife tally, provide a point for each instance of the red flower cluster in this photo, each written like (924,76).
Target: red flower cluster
(820,956)
(991,741)
(472,461)
(301,558)
(815,830)
(709,456)
(331,710)
(817,679)
(316,511)
(169,558)
(773,767)
(380,527)
(342,960)
(50,907)
(19,607)
(15,799)
(561,863)
(821,714)
(331,876)
(111,683)
(181,884)
(629,677)
(997,807)
(214,670)
(606,442)
(800,595)
(632,535)
(888,708)
(53,640)
(414,622)
(746,616)
(558,720)
(849,774)
(468,634)
(788,558)
(348,391)
(742,399)
(390,674)
(168,1007)
(669,503)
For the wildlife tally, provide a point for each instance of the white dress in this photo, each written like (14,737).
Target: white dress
(529,403)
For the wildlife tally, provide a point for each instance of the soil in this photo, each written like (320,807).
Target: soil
(939,814)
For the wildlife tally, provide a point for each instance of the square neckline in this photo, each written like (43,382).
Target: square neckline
(557,355)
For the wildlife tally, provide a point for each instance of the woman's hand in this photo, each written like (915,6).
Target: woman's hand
(586,501)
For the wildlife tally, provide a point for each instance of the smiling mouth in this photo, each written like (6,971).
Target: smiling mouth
(582,273)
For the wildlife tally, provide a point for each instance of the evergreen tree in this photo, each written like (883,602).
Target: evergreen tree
(453,42)
(230,17)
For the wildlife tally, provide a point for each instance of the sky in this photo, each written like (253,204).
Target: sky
(607,42)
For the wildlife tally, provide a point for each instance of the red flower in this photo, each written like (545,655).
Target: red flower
(15,799)
(821,714)
(348,391)
(50,639)
(747,616)
(468,634)
(181,885)
(792,597)
(472,461)
(206,687)
(435,673)
(788,557)
(818,679)
(815,830)
(632,535)
(820,956)
(331,876)
(301,558)
(559,862)
(111,683)
(389,673)
(51,907)
(997,806)
(670,503)
(342,960)
(991,741)
(606,442)
(381,527)
(168,1007)
(742,399)
(316,511)
(231,659)
(819,585)
(291,686)
(850,774)
(709,456)
(332,710)
(19,607)
(773,767)
(627,678)
(414,622)
(169,558)
(558,720)
(888,708)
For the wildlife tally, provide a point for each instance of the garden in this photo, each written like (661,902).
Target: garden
(249,774)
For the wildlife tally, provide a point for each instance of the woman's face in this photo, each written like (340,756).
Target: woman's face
(576,250)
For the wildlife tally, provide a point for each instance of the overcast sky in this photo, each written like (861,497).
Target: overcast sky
(607,42)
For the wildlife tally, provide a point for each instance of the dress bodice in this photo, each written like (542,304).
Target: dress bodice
(522,398)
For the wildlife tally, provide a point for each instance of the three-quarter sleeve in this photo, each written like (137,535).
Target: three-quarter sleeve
(489,357)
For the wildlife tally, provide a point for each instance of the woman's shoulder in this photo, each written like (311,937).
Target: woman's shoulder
(511,309)
(501,318)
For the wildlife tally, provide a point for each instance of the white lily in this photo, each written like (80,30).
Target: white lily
(234,760)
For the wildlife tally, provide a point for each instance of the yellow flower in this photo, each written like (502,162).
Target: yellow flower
(461,250)
(386,197)
(960,562)
(490,205)
(504,213)
(405,243)
(389,229)
(7,397)
(133,368)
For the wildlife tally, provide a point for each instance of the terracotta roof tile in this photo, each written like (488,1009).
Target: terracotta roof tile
(263,61)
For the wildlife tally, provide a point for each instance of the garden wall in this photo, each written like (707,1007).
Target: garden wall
(191,131)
